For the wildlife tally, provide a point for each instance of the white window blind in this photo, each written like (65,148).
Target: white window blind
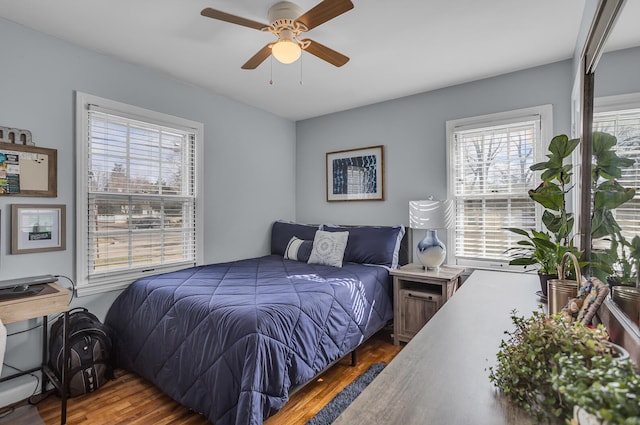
(489,177)
(625,125)
(139,197)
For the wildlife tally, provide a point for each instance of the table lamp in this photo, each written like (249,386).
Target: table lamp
(431,215)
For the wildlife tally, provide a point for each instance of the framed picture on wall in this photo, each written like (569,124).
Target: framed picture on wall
(28,171)
(356,174)
(37,228)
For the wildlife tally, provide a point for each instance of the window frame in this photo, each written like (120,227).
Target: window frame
(85,285)
(545,112)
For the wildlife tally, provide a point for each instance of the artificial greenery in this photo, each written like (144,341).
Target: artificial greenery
(609,194)
(531,353)
(546,248)
(608,388)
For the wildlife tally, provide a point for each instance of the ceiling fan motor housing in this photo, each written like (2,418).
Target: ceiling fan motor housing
(284,13)
(282,17)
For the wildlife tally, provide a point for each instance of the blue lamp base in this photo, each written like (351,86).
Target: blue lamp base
(431,251)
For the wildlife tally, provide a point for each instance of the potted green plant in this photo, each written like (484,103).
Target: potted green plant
(605,392)
(544,249)
(625,280)
(625,261)
(532,352)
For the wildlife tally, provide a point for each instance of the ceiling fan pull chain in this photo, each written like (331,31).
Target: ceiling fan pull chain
(271,72)
(300,70)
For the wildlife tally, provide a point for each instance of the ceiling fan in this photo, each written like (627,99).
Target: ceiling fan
(287,23)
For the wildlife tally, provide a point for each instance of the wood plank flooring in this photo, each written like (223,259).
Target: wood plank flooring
(132,400)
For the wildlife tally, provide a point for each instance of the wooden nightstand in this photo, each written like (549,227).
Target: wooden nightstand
(417,296)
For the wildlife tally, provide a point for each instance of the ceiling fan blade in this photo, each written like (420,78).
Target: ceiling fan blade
(324,11)
(258,58)
(325,53)
(223,16)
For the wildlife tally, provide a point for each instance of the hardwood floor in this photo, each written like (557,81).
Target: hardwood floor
(130,399)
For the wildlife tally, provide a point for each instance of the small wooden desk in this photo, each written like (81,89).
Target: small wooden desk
(51,300)
(441,377)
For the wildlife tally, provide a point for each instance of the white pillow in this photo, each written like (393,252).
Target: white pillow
(328,248)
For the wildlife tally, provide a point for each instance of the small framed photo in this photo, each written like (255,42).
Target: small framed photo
(37,228)
(356,174)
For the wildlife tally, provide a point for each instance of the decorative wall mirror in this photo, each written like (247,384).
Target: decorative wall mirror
(612,43)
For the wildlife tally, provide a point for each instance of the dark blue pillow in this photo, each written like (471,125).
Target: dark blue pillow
(298,250)
(371,244)
(282,232)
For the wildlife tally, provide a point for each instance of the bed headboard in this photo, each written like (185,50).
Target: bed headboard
(385,238)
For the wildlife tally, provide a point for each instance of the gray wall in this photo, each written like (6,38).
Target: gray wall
(38,77)
(412,129)
(618,73)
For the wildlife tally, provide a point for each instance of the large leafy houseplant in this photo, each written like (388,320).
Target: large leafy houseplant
(544,249)
(616,255)
(530,355)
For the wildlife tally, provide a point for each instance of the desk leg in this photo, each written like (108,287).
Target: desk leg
(396,310)
(65,363)
(45,355)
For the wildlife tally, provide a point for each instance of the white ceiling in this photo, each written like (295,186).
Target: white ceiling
(397,47)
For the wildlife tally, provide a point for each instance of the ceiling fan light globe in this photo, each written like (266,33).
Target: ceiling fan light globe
(286,51)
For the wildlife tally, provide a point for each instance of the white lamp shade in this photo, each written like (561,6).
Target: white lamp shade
(430,214)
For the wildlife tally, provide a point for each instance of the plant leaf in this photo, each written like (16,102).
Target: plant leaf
(549,195)
(561,145)
(518,231)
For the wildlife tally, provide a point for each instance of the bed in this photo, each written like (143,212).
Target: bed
(231,340)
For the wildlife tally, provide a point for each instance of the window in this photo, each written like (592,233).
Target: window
(620,116)
(489,176)
(137,184)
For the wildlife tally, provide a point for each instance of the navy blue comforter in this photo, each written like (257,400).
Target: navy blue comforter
(229,340)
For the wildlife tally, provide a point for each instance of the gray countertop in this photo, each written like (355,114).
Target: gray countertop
(441,376)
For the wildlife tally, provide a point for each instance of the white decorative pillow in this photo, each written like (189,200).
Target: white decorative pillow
(328,248)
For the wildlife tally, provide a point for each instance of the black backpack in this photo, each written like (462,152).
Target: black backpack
(89,365)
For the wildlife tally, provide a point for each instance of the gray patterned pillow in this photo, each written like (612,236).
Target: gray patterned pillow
(328,248)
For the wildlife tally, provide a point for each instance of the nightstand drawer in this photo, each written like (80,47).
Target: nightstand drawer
(417,307)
